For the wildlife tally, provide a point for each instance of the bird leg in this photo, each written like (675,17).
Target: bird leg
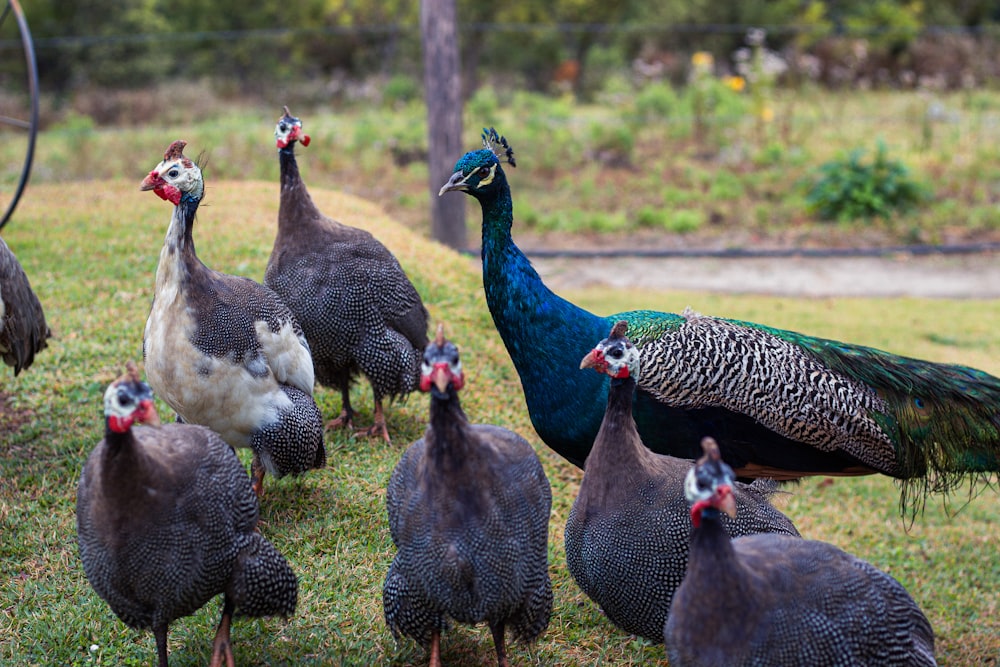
(346,412)
(379,428)
(498,632)
(435,649)
(160,632)
(257,473)
(221,647)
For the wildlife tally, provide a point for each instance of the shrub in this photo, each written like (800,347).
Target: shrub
(848,188)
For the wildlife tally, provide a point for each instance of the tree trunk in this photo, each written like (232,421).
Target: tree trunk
(443,93)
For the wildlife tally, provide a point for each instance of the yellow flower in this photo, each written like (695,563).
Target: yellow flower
(767,114)
(735,83)
(702,60)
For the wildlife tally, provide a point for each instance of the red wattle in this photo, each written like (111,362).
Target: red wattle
(425,383)
(696,511)
(119,424)
(304,140)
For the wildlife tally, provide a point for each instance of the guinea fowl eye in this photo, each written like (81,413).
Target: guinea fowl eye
(124,398)
(282,128)
(616,353)
(173,173)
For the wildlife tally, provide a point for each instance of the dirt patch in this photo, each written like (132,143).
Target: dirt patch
(11,418)
(935,276)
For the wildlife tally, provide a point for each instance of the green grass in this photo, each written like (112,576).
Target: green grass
(91,248)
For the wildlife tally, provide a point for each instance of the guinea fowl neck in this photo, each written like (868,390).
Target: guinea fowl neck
(448,442)
(545,335)
(296,206)
(618,463)
(178,258)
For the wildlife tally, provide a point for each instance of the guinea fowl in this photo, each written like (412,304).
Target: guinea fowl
(775,600)
(23,331)
(628,531)
(224,351)
(780,404)
(468,511)
(357,307)
(166,520)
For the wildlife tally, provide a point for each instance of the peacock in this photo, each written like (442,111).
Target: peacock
(780,404)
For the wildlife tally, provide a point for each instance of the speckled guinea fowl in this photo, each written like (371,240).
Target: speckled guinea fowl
(468,510)
(166,521)
(356,305)
(774,600)
(750,386)
(224,351)
(627,534)
(23,331)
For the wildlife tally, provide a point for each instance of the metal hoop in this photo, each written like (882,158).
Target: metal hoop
(32,124)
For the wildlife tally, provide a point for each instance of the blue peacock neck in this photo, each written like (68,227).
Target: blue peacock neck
(545,335)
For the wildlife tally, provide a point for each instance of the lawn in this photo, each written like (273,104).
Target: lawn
(91,246)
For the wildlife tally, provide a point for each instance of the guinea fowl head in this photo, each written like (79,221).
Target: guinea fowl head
(615,355)
(479,172)
(289,130)
(176,177)
(129,400)
(709,484)
(441,367)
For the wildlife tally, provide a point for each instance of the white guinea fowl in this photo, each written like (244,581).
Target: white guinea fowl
(225,351)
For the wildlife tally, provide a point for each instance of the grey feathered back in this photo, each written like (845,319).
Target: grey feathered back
(23,331)
(155,557)
(357,307)
(468,508)
(799,602)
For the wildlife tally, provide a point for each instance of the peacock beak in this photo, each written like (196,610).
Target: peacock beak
(456,182)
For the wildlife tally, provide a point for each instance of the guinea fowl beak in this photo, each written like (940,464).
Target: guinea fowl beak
(456,182)
(440,377)
(725,500)
(595,360)
(148,416)
(151,182)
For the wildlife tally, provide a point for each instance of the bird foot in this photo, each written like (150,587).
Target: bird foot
(343,421)
(374,431)
(222,648)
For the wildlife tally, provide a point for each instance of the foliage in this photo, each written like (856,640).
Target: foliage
(849,188)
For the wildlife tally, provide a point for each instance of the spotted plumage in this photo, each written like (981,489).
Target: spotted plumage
(627,533)
(357,307)
(775,600)
(224,351)
(166,520)
(23,330)
(750,386)
(468,508)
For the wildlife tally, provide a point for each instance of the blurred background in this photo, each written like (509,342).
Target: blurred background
(670,126)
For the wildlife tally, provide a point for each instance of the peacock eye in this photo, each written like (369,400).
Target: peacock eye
(173,173)
(483,172)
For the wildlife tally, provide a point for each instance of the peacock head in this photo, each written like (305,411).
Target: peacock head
(176,177)
(441,367)
(289,130)
(129,400)
(615,355)
(479,172)
(709,483)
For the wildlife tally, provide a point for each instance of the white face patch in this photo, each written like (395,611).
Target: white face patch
(629,359)
(182,174)
(113,406)
(691,490)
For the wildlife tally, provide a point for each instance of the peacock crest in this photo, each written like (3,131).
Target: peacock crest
(498,145)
